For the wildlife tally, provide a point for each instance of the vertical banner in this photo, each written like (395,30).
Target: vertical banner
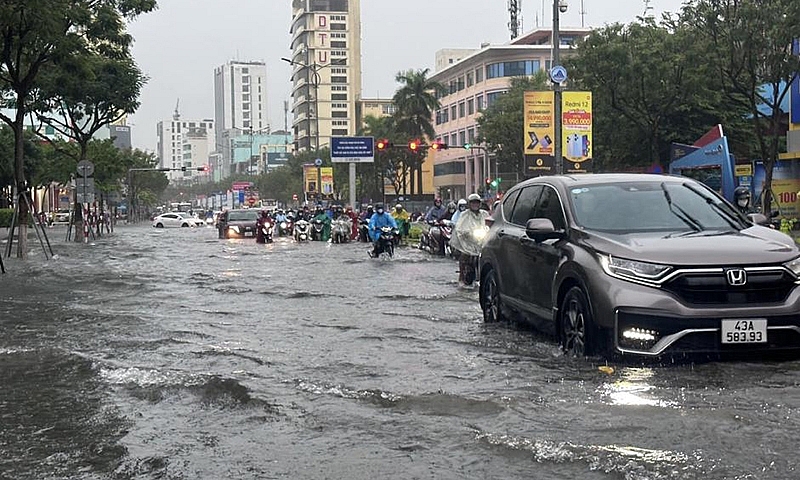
(576,117)
(794,92)
(327,180)
(538,145)
(310,178)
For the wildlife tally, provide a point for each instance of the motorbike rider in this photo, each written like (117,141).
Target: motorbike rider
(401,217)
(262,220)
(354,221)
(326,223)
(741,198)
(468,237)
(451,210)
(462,205)
(379,219)
(367,214)
(436,212)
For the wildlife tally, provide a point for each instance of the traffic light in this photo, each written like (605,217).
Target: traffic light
(202,168)
(495,183)
(439,145)
(488,182)
(383,144)
(467,146)
(413,145)
(183,169)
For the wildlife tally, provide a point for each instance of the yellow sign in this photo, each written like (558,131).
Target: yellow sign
(576,121)
(539,128)
(310,178)
(743,170)
(327,180)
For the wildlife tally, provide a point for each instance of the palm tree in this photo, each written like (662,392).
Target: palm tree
(416,100)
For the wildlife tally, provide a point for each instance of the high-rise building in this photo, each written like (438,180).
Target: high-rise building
(240,105)
(185,143)
(326,55)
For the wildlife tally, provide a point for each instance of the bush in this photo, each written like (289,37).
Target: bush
(6,214)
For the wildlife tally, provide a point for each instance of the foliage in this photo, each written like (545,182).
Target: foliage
(649,90)
(6,215)
(749,48)
(501,123)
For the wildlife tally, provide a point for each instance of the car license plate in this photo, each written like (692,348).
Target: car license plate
(744,330)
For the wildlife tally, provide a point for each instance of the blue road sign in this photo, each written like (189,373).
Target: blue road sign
(352,149)
(558,74)
(318,162)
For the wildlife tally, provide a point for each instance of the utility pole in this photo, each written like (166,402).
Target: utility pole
(559,7)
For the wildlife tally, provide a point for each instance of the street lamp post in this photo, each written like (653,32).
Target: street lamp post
(559,7)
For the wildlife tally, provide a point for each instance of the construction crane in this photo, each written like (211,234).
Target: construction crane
(515,25)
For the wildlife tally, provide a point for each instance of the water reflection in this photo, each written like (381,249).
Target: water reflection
(634,387)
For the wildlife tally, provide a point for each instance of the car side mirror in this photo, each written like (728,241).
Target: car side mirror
(541,229)
(758,219)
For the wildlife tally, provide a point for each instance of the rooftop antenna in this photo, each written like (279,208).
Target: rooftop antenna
(648,9)
(177,115)
(514,7)
(583,15)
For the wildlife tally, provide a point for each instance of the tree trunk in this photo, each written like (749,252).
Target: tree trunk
(19,174)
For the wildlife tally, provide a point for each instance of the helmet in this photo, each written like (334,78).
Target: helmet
(264,214)
(741,195)
(474,197)
(398,206)
(437,201)
(462,204)
(451,206)
(378,206)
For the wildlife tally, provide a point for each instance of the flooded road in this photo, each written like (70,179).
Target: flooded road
(170,354)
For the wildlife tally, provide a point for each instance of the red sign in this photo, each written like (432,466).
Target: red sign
(251,201)
(242,185)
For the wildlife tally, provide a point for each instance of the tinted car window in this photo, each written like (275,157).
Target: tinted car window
(549,207)
(526,203)
(508,203)
(243,215)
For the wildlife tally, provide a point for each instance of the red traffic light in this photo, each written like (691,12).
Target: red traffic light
(413,145)
(439,145)
(203,168)
(383,144)
(488,181)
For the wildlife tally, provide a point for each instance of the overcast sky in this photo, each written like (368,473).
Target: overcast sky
(179,45)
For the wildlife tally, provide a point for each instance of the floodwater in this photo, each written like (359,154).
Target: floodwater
(171,354)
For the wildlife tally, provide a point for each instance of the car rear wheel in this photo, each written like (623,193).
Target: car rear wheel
(579,335)
(490,296)
(184,225)
(159,225)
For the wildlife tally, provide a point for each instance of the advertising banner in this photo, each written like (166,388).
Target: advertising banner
(539,130)
(794,93)
(310,178)
(327,180)
(576,116)
(785,186)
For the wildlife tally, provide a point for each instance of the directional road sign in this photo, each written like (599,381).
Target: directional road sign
(558,74)
(352,149)
(85,168)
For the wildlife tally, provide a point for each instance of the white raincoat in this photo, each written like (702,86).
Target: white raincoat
(470,232)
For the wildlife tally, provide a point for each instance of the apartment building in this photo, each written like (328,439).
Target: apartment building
(472,84)
(185,143)
(326,78)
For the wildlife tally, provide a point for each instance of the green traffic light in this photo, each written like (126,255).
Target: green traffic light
(467,146)
(494,183)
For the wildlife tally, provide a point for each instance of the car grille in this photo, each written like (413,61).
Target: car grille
(763,286)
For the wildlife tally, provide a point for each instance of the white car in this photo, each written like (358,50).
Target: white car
(174,219)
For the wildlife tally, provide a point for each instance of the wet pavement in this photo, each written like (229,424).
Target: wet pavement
(171,354)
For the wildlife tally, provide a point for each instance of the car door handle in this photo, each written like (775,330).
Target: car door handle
(501,233)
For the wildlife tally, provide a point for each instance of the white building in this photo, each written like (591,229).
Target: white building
(326,54)
(186,143)
(240,104)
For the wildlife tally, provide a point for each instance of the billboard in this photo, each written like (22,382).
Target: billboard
(785,186)
(327,180)
(310,178)
(352,149)
(539,130)
(576,121)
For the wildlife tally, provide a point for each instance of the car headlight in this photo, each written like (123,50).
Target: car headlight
(794,266)
(632,269)
(283,224)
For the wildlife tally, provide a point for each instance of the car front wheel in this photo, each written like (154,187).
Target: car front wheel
(490,296)
(159,225)
(579,335)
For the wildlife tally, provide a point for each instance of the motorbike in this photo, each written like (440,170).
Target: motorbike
(341,229)
(317,227)
(386,241)
(264,233)
(363,230)
(437,238)
(467,262)
(285,228)
(302,231)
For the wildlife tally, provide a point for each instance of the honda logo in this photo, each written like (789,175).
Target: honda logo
(737,277)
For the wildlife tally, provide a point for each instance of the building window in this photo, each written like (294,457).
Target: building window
(470,106)
(339,123)
(470,80)
(461,110)
(245,70)
(338,79)
(338,96)
(471,135)
(338,105)
(338,88)
(245,80)
(340,131)
(245,114)
(339,115)
(454,112)
(245,88)
(389,109)
(246,97)
(338,26)
(445,116)
(338,53)
(454,140)
(492,97)
(513,69)
(246,124)
(246,106)
(462,137)
(339,71)
(479,101)
(338,44)
(479,75)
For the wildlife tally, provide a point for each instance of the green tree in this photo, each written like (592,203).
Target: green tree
(37,33)
(501,124)
(416,100)
(750,51)
(649,90)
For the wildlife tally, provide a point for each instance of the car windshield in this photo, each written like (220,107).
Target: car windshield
(243,216)
(632,207)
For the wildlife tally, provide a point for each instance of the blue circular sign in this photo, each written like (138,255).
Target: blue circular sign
(318,162)
(558,74)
